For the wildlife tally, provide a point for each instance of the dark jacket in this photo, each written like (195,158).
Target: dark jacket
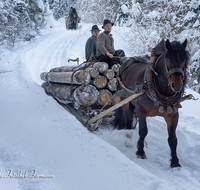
(90,48)
(105,43)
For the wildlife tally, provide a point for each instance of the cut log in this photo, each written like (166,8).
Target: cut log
(100,81)
(64,69)
(86,95)
(116,67)
(101,66)
(80,77)
(43,76)
(94,72)
(109,74)
(58,77)
(61,92)
(112,84)
(104,96)
(116,100)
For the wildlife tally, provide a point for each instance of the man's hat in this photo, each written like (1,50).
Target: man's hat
(106,21)
(95,27)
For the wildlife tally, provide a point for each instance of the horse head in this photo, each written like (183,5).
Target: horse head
(176,61)
(74,14)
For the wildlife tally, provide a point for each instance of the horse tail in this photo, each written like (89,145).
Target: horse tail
(124,118)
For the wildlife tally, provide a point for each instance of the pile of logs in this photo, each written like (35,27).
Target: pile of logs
(93,85)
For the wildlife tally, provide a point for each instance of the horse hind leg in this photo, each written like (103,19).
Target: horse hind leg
(124,117)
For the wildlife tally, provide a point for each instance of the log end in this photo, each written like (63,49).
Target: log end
(86,95)
(100,81)
(104,97)
(82,77)
(43,76)
(116,100)
(116,67)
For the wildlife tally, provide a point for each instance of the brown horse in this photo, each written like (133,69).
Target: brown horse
(162,94)
(73,18)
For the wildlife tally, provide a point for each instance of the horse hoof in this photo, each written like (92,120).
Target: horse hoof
(175,165)
(142,156)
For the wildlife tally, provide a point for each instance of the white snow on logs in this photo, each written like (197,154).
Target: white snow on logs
(82,86)
(100,81)
(101,66)
(86,95)
(79,77)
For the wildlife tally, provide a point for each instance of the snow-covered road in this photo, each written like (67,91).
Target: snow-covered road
(38,135)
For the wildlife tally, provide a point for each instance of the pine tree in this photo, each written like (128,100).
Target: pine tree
(20,20)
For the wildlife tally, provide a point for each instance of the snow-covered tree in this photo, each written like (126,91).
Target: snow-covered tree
(95,11)
(60,8)
(20,19)
(152,20)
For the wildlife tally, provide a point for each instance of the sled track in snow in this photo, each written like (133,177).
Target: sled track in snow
(57,52)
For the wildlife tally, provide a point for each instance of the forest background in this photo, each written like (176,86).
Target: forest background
(143,23)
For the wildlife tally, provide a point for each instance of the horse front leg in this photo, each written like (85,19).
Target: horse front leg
(172,139)
(142,133)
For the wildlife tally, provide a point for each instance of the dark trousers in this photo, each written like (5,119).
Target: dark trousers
(112,61)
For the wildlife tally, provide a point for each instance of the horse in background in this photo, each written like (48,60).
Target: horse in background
(163,91)
(73,18)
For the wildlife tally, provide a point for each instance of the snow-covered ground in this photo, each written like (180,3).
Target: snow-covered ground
(43,147)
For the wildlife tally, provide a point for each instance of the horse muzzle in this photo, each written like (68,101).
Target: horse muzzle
(175,78)
(176,87)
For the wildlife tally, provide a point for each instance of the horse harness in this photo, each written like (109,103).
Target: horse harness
(172,103)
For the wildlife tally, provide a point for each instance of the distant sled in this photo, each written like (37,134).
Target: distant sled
(72,19)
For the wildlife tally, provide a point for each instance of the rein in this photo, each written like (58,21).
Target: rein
(123,86)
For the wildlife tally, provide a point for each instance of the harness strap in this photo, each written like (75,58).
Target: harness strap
(122,85)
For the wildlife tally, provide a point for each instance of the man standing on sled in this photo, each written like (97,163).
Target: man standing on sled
(105,46)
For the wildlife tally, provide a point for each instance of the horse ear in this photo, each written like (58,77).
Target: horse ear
(168,44)
(184,44)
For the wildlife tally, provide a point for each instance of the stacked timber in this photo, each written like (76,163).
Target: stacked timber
(94,84)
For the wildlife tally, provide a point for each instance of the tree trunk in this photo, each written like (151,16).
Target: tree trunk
(101,66)
(100,81)
(79,77)
(82,77)
(104,96)
(43,76)
(64,69)
(61,92)
(109,74)
(86,95)
(112,84)
(94,72)
(116,100)
(116,67)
